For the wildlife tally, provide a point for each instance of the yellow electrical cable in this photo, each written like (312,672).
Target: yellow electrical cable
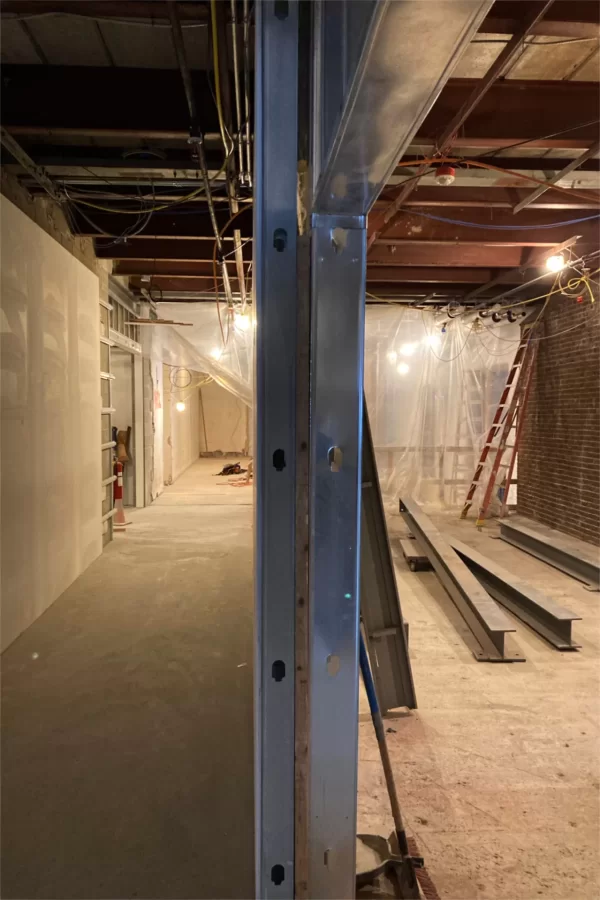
(215,42)
(575,281)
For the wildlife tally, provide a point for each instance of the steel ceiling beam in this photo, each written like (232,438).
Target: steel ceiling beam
(589,154)
(387,86)
(533,13)
(195,225)
(535,261)
(38,173)
(377,276)
(78,102)
(191,11)
(488,197)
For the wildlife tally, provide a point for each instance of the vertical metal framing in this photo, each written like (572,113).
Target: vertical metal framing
(362,53)
(106,443)
(338,292)
(275,230)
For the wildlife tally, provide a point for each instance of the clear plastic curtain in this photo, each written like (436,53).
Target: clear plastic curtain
(200,345)
(432,391)
(432,387)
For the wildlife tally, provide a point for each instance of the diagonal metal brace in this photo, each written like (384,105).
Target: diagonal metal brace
(38,172)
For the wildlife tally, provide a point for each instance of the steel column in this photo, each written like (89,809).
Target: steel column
(338,292)
(275,459)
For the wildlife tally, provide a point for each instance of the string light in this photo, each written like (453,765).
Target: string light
(180,406)
(241,321)
(433,340)
(403,369)
(407,349)
(555,263)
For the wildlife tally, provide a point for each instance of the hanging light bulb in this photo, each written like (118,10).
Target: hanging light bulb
(407,349)
(180,406)
(241,321)
(403,369)
(433,340)
(216,353)
(392,356)
(555,263)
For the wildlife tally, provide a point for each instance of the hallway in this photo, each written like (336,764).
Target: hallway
(127,713)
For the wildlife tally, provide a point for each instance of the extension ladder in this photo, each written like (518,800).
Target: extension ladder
(509,417)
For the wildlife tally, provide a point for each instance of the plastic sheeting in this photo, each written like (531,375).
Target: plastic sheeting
(200,347)
(431,397)
(431,394)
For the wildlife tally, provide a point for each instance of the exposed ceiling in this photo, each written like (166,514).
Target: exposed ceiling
(92,92)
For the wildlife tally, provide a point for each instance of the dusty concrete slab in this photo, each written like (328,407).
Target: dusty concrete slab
(499,769)
(127,713)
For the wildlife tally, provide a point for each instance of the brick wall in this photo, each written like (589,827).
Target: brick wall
(559,454)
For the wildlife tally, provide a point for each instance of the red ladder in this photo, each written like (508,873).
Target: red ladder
(505,419)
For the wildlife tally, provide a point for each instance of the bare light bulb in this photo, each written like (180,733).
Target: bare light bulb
(180,406)
(241,321)
(433,340)
(407,349)
(555,263)
(402,369)
(216,353)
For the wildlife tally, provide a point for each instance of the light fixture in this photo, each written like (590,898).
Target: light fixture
(180,406)
(216,353)
(241,321)
(407,349)
(555,263)
(433,340)
(392,356)
(402,369)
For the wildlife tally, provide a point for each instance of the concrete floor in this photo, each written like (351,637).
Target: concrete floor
(127,713)
(499,770)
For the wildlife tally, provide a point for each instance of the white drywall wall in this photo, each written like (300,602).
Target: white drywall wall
(185,431)
(225,420)
(50,463)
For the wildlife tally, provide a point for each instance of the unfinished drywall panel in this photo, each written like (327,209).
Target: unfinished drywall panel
(51,466)
(185,430)
(559,452)
(225,419)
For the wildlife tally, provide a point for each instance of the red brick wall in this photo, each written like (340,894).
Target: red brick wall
(559,455)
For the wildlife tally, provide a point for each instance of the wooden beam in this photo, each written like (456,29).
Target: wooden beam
(566,19)
(153,10)
(489,197)
(409,226)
